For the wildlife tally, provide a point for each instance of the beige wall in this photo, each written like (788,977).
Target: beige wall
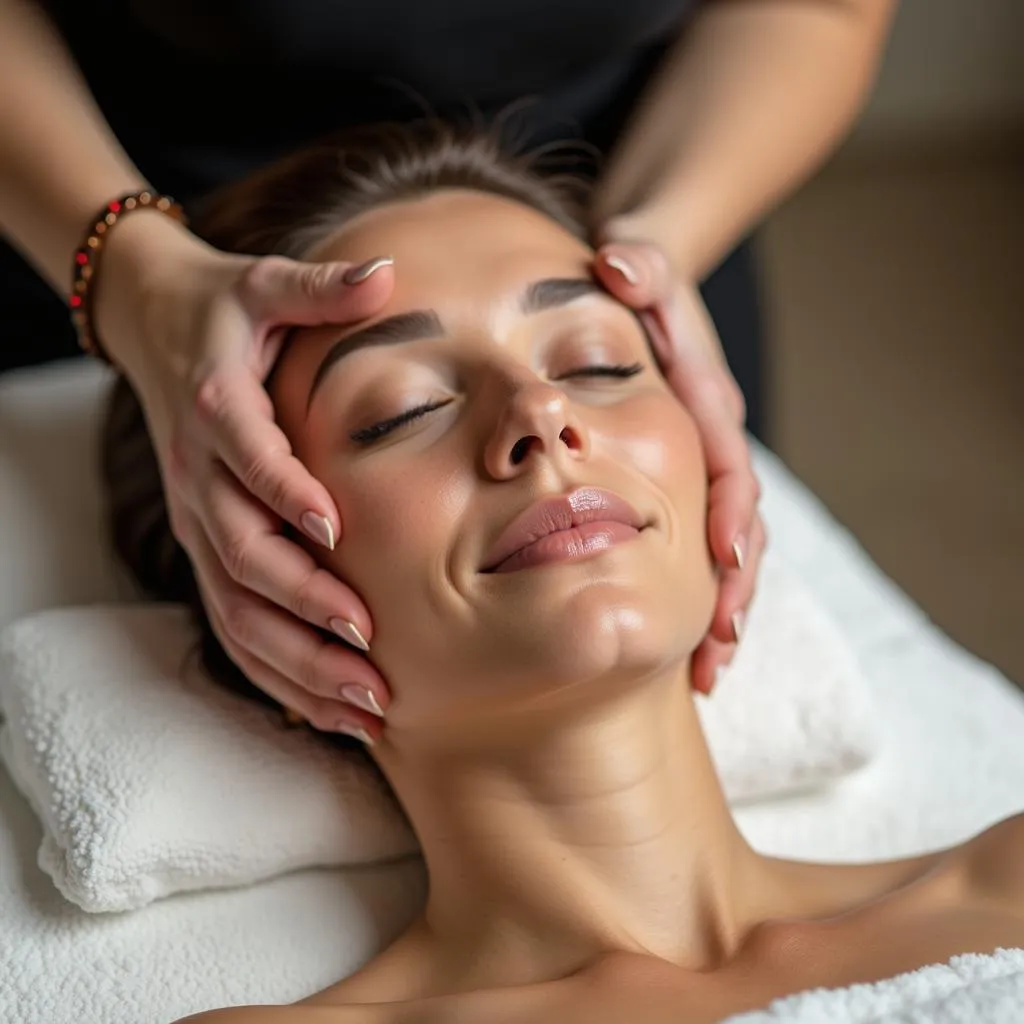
(953,67)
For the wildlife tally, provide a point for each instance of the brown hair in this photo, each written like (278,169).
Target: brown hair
(287,209)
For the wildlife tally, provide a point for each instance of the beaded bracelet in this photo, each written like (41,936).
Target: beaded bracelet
(87,257)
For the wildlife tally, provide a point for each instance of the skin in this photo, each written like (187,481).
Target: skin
(543,736)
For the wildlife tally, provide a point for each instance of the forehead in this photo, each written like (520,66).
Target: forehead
(466,255)
(458,243)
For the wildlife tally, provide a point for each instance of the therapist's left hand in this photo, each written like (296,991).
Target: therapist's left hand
(691,358)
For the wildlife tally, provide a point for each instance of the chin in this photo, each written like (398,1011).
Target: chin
(595,619)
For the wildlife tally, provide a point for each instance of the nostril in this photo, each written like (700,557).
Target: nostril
(520,450)
(571,439)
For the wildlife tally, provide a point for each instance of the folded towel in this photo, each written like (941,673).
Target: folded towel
(970,989)
(149,779)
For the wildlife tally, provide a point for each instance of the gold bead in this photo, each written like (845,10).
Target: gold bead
(93,242)
(86,272)
(129,203)
(100,228)
(110,218)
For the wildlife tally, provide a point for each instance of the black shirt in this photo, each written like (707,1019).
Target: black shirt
(200,91)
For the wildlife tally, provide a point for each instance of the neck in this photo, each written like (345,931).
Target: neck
(597,831)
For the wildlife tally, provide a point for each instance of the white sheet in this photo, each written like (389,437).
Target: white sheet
(955,763)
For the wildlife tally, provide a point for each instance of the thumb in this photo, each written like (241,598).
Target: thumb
(636,273)
(277,290)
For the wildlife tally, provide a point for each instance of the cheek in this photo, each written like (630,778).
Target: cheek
(659,439)
(399,519)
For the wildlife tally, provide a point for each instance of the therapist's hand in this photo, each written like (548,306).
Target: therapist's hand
(691,357)
(197,331)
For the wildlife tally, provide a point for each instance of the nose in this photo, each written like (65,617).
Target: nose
(535,423)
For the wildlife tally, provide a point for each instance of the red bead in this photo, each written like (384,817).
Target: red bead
(75,301)
(81,258)
(114,206)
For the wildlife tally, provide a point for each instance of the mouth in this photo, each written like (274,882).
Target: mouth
(566,528)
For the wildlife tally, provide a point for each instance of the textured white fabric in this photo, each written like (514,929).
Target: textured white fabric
(970,989)
(952,764)
(150,779)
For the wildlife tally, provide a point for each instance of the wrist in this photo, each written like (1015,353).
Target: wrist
(143,254)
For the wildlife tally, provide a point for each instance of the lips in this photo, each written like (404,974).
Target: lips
(585,520)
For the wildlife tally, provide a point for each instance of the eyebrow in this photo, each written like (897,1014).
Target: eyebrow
(421,324)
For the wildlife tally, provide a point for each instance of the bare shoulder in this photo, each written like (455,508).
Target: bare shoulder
(240,1015)
(354,1014)
(244,1015)
(994,864)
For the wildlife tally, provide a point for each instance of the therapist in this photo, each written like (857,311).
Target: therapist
(708,113)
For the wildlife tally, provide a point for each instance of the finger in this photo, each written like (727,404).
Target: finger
(277,290)
(732,509)
(235,407)
(256,555)
(677,322)
(322,713)
(702,392)
(636,273)
(251,626)
(736,592)
(707,659)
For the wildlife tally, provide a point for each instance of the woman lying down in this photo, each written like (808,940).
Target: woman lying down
(524,502)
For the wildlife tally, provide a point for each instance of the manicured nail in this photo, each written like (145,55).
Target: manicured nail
(354,730)
(619,264)
(737,625)
(737,550)
(318,528)
(362,697)
(349,632)
(356,275)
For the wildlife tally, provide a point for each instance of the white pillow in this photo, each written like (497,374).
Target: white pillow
(149,779)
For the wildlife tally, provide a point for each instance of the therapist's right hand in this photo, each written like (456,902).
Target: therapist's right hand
(197,331)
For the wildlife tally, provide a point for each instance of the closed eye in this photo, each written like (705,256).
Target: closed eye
(378,430)
(615,370)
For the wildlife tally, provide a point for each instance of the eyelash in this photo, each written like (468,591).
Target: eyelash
(378,430)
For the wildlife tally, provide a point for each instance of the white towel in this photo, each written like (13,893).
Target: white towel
(970,989)
(150,780)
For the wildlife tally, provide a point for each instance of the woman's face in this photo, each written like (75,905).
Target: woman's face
(496,377)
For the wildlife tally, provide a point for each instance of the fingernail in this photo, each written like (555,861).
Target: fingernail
(362,697)
(737,625)
(356,275)
(619,264)
(318,528)
(354,730)
(349,632)
(737,550)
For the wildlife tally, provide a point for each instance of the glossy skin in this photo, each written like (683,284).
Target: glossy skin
(542,736)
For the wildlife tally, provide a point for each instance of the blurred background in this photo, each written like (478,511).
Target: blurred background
(894,295)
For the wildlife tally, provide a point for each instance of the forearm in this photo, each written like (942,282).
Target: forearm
(59,160)
(749,103)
